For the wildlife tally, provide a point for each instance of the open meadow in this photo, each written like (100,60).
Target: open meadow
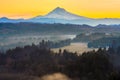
(75,47)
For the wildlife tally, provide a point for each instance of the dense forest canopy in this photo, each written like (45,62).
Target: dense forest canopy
(40,60)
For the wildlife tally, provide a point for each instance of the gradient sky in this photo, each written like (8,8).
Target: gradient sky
(88,8)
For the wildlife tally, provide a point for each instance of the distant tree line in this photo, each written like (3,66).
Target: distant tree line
(58,44)
(23,28)
(88,37)
(105,42)
(39,28)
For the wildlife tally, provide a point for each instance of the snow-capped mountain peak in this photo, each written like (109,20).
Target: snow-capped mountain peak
(61,13)
(57,10)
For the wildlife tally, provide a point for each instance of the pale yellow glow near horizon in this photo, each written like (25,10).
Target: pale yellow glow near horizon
(87,8)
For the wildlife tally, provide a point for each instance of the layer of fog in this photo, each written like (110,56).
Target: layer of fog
(13,41)
(55,76)
(13,76)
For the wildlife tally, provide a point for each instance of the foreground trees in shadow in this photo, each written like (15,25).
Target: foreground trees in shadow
(38,61)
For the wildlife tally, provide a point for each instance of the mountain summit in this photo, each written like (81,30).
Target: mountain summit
(57,10)
(61,13)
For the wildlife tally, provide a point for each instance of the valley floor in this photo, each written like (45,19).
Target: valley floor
(76,47)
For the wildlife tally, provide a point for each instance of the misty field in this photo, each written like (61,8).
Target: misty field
(76,47)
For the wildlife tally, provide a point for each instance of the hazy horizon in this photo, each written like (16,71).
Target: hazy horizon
(30,8)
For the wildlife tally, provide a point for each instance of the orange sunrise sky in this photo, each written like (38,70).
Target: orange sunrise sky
(88,8)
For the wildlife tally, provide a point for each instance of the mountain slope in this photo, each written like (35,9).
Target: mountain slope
(61,13)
